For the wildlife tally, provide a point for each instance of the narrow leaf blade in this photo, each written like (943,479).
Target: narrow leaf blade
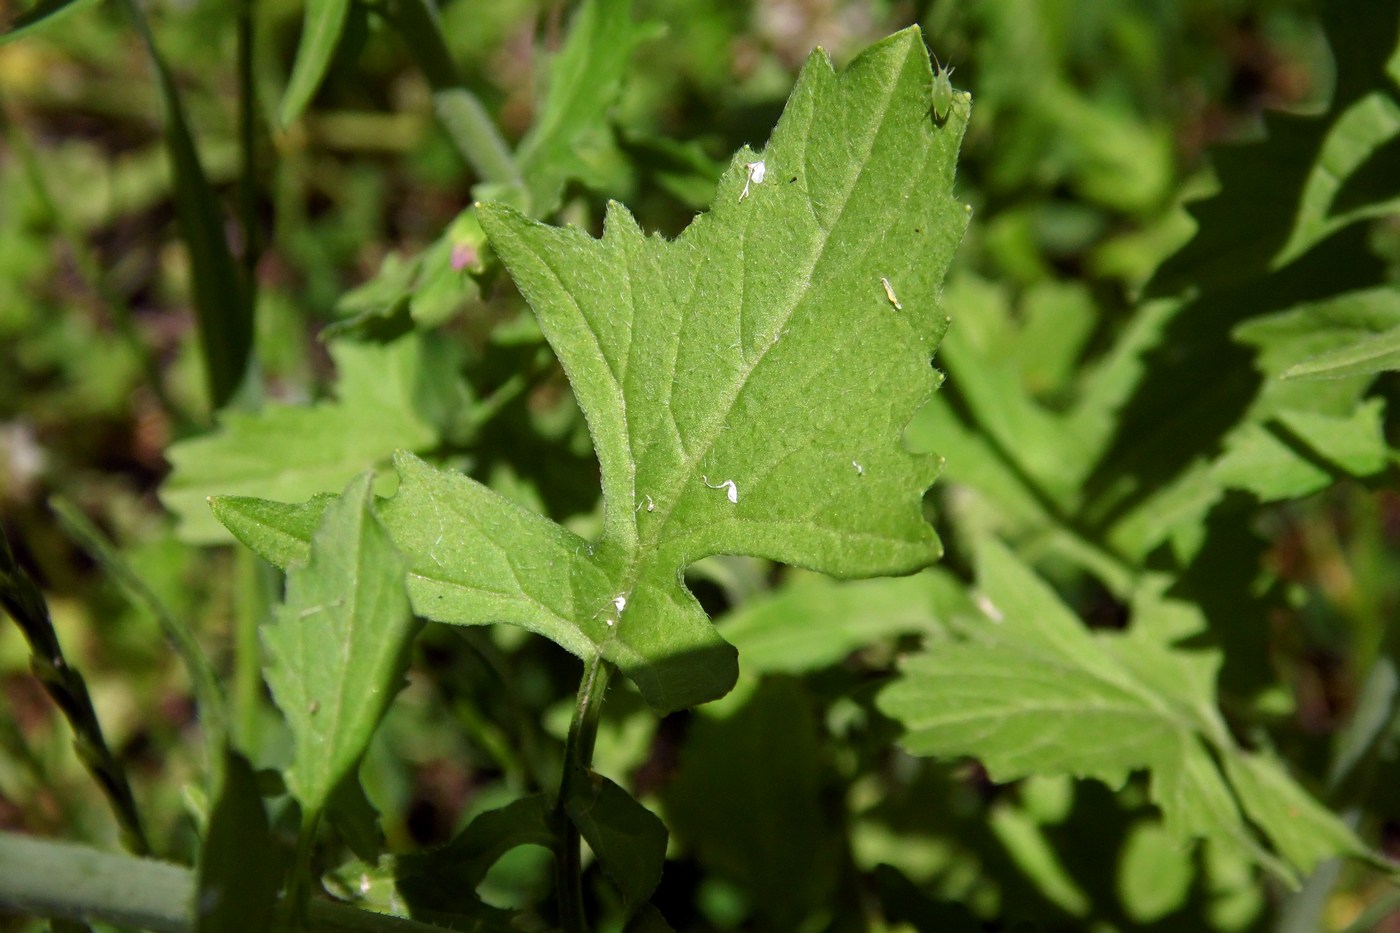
(320,34)
(222,308)
(41,13)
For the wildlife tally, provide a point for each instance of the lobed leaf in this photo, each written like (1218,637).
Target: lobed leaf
(747,386)
(1030,691)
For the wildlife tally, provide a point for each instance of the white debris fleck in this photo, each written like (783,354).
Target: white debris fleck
(889,293)
(650,505)
(733,490)
(757,172)
(859,469)
(620,602)
(989,608)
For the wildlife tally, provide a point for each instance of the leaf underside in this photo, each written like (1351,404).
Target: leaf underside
(747,386)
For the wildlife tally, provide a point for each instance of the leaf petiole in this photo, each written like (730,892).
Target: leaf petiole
(578,755)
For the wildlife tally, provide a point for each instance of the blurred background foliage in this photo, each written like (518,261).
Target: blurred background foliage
(1091,124)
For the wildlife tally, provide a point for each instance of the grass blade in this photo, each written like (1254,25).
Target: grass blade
(320,35)
(40,13)
(222,298)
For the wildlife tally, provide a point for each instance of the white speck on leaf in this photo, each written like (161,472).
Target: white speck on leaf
(859,469)
(989,608)
(650,505)
(889,293)
(733,490)
(757,172)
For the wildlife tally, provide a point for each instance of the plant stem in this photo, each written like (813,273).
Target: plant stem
(460,111)
(203,681)
(252,602)
(59,879)
(247,144)
(578,755)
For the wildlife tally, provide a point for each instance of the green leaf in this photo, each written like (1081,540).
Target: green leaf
(1276,196)
(339,645)
(322,25)
(222,304)
(1375,354)
(765,320)
(442,883)
(42,12)
(584,80)
(1299,452)
(240,865)
(1301,829)
(747,386)
(278,533)
(292,452)
(628,839)
(760,765)
(1029,690)
(815,623)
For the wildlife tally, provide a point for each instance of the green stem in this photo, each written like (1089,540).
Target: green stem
(247,144)
(578,756)
(59,879)
(252,604)
(468,124)
(203,681)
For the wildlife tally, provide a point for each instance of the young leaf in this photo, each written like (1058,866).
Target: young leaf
(1031,691)
(747,386)
(339,644)
(584,80)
